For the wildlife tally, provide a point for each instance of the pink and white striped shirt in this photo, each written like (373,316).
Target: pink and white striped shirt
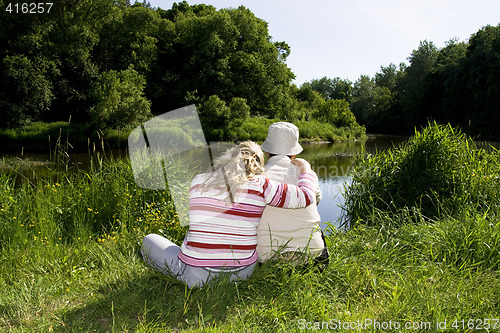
(223,234)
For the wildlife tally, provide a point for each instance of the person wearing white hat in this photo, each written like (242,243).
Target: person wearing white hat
(294,233)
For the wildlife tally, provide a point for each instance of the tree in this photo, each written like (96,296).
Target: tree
(483,59)
(313,98)
(28,92)
(333,88)
(444,93)
(111,63)
(26,74)
(129,38)
(214,111)
(73,32)
(363,101)
(388,76)
(336,112)
(227,53)
(422,63)
(119,101)
(239,109)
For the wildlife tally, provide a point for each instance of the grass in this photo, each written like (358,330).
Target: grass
(44,136)
(70,261)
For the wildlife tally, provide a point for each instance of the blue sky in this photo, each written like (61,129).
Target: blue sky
(349,38)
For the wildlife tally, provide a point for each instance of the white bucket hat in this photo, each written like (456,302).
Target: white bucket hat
(282,139)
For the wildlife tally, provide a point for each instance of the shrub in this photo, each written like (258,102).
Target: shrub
(214,111)
(119,100)
(239,108)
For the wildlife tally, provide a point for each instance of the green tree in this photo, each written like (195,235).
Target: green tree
(214,111)
(336,88)
(29,90)
(73,32)
(336,112)
(227,53)
(483,69)
(422,63)
(445,96)
(305,103)
(26,74)
(313,99)
(363,101)
(389,76)
(129,38)
(103,61)
(119,100)
(239,109)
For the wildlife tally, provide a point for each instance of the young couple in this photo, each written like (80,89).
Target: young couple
(244,211)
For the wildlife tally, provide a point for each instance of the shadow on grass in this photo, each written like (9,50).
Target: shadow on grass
(152,301)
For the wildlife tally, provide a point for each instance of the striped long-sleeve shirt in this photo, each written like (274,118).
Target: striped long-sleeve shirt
(223,234)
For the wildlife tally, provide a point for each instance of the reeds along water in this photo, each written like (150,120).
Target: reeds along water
(70,204)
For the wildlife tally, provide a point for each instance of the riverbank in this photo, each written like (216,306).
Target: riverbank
(70,261)
(40,137)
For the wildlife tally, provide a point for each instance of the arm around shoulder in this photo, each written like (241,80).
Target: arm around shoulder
(290,196)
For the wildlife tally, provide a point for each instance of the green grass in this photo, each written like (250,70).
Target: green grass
(43,137)
(70,261)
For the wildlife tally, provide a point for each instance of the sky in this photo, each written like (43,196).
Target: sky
(351,38)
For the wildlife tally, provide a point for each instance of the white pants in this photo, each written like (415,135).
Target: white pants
(160,253)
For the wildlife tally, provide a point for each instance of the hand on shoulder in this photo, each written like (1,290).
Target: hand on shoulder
(302,164)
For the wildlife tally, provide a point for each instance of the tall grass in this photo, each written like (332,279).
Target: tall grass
(438,172)
(69,205)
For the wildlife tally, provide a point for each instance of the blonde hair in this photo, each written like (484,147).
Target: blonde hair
(235,167)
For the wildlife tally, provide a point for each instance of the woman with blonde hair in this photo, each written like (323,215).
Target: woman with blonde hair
(225,206)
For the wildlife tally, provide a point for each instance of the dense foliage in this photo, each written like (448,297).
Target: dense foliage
(458,84)
(111,65)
